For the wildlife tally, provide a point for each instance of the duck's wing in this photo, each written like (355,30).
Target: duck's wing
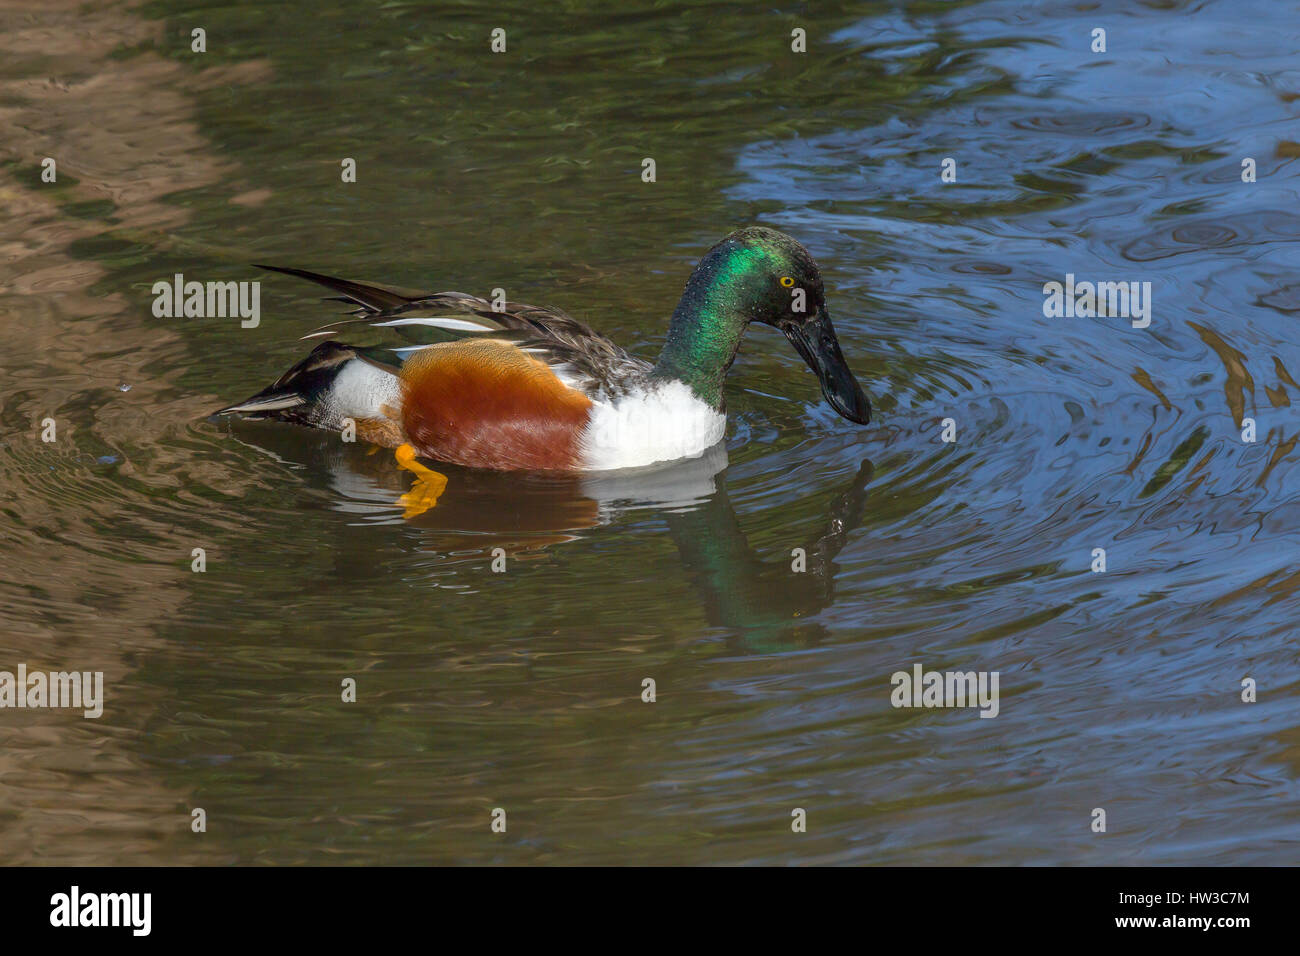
(582,357)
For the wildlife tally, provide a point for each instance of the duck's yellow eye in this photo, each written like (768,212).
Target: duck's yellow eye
(787,281)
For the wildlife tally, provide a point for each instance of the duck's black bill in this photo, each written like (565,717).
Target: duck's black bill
(815,340)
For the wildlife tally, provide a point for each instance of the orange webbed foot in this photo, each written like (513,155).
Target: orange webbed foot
(428,486)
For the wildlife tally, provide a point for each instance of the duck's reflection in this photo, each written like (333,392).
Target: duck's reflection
(765,601)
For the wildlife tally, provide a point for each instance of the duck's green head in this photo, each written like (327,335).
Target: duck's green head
(757,275)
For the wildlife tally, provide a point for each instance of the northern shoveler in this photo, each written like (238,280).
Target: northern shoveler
(524,387)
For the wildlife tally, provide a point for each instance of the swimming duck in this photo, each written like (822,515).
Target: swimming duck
(520,387)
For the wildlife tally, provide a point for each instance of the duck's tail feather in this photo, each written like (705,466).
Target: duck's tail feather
(370,297)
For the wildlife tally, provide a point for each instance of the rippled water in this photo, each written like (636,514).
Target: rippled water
(521,690)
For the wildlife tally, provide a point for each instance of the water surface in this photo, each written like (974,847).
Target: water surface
(522,689)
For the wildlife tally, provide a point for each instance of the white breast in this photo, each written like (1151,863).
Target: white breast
(362,390)
(663,422)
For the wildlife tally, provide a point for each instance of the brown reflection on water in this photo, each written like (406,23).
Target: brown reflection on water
(1239,384)
(123,135)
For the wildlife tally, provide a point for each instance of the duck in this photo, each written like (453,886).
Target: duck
(512,387)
